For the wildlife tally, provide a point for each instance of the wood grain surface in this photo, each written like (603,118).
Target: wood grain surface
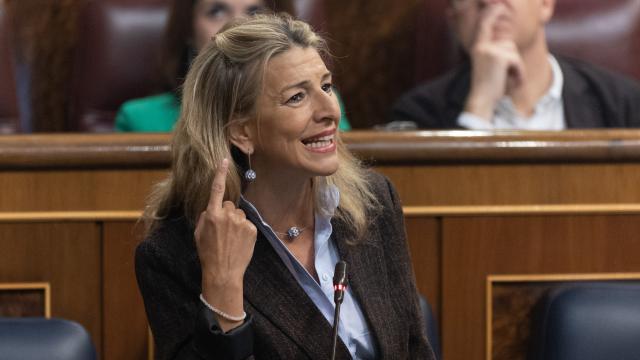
(68,256)
(69,219)
(474,248)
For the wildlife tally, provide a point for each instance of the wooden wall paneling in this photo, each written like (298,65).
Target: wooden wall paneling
(108,177)
(125,322)
(477,184)
(67,255)
(374,43)
(47,190)
(19,299)
(423,234)
(509,324)
(437,49)
(475,247)
(47,34)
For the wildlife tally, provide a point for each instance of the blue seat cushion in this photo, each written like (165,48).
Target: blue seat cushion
(593,321)
(39,338)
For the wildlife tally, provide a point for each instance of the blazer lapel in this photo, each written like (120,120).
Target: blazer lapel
(274,292)
(456,95)
(364,267)
(580,109)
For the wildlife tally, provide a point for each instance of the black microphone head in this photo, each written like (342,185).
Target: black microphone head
(339,282)
(340,273)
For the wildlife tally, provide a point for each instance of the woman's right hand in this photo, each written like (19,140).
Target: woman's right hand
(225,240)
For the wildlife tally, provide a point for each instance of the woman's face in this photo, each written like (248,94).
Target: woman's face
(298,117)
(209,16)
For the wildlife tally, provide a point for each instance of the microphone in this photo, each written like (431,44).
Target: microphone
(339,287)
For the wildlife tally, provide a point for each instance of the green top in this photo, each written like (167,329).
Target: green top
(158,113)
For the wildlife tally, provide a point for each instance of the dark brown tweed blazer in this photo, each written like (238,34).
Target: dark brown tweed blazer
(286,324)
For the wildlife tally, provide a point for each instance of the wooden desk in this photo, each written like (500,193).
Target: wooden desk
(476,204)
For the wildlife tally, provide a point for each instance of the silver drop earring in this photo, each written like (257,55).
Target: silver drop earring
(250,175)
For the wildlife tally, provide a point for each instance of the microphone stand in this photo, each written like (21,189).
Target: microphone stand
(336,319)
(339,286)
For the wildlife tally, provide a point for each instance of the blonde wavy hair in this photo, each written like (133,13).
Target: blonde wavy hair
(221,89)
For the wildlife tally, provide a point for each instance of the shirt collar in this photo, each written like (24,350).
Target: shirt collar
(555,91)
(328,199)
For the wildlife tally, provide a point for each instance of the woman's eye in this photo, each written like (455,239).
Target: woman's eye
(328,87)
(218,11)
(296,98)
(255,9)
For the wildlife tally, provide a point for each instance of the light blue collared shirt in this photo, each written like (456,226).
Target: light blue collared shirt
(353,329)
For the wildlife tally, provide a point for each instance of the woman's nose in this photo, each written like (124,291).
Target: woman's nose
(326,107)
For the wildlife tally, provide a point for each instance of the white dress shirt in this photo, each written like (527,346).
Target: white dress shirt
(548,114)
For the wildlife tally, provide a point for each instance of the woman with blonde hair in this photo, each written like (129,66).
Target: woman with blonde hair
(263,200)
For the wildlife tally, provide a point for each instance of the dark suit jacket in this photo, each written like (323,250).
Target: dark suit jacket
(285,324)
(593,98)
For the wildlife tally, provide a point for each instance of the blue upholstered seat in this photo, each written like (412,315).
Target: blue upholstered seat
(592,321)
(39,338)
(431,326)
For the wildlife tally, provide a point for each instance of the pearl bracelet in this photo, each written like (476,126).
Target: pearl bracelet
(223,314)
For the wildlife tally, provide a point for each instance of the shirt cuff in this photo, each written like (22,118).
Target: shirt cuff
(474,122)
(211,342)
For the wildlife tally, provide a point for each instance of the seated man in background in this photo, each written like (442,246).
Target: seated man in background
(511,81)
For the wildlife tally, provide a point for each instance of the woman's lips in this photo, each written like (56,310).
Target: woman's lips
(321,144)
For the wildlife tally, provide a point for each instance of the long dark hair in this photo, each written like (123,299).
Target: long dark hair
(176,52)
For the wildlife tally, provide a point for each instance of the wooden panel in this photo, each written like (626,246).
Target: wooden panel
(511,320)
(370,78)
(500,146)
(423,234)
(64,151)
(381,148)
(66,255)
(46,32)
(476,247)
(25,299)
(509,184)
(447,180)
(45,190)
(125,327)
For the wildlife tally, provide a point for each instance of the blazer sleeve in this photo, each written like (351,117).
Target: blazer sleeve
(417,107)
(182,327)
(404,278)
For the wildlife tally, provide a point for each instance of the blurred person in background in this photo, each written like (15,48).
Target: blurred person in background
(192,24)
(511,80)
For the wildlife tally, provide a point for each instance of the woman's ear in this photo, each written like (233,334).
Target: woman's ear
(241,135)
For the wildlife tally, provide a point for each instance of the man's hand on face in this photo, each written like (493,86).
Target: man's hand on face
(496,65)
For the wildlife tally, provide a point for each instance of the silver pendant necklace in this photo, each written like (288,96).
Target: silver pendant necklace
(292,233)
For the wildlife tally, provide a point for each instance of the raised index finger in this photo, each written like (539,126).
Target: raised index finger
(218,186)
